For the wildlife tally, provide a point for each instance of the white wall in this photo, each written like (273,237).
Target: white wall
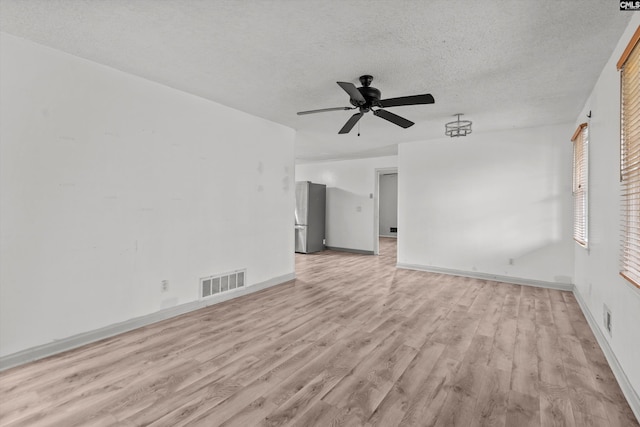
(388,204)
(350,184)
(597,268)
(490,203)
(111,184)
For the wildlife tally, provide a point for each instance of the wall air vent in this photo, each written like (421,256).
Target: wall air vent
(219,283)
(606,311)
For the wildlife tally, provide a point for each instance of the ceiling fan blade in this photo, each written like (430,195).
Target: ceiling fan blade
(407,100)
(351,123)
(394,118)
(322,110)
(353,92)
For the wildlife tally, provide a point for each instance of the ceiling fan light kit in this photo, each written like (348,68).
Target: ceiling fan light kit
(457,127)
(365,98)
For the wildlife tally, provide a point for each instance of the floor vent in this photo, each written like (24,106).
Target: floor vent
(212,285)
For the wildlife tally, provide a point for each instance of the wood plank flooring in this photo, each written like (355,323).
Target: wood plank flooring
(351,342)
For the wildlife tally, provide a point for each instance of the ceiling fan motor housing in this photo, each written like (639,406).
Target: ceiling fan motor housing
(371,96)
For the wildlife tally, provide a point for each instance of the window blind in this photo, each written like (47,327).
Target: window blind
(629,65)
(580,139)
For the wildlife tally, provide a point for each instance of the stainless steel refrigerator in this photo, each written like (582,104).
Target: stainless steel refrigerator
(310,212)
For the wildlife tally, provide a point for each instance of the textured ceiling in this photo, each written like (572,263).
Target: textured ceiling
(505,64)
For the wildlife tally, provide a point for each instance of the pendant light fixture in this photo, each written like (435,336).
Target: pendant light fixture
(457,127)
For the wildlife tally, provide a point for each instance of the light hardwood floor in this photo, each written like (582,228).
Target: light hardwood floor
(353,341)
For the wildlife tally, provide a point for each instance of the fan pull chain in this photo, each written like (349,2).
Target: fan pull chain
(358,128)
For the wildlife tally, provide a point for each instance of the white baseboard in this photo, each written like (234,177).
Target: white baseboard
(58,346)
(353,251)
(618,372)
(488,276)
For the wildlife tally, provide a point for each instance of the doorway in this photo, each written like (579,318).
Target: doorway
(388,207)
(385,206)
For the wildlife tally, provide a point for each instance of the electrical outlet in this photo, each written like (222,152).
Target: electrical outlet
(164,286)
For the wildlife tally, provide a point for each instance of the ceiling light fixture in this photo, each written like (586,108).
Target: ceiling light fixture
(458,127)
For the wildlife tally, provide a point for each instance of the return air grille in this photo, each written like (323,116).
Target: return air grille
(219,283)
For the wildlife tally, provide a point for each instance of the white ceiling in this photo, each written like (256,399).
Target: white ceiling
(505,64)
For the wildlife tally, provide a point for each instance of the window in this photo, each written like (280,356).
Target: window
(629,65)
(580,140)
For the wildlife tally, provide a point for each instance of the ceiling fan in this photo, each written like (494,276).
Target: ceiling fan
(366,97)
